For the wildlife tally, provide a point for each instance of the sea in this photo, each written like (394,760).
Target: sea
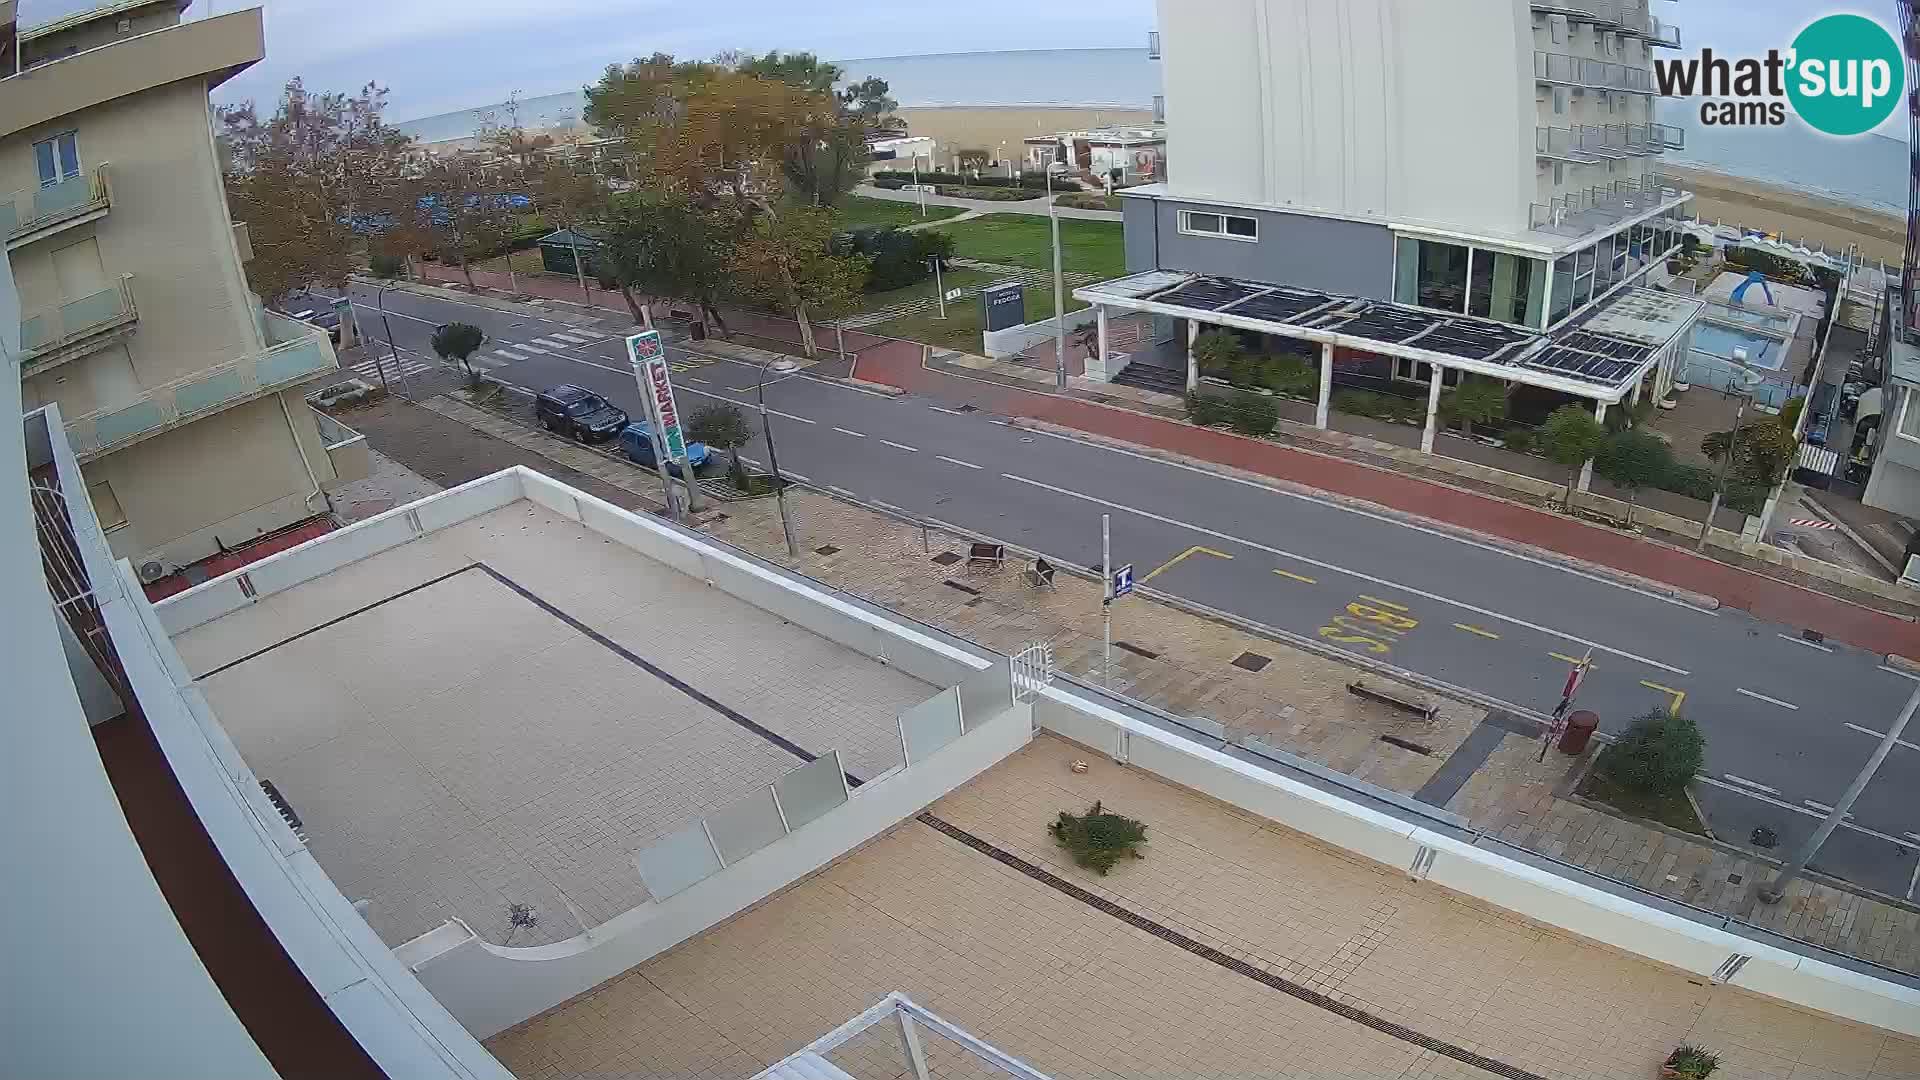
(1869,171)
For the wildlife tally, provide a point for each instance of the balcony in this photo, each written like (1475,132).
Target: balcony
(39,212)
(1561,144)
(1663,34)
(299,353)
(1563,70)
(1627,16)
(67,331)
(1668,137)
(1153,44)
(346,450)
(1581,212)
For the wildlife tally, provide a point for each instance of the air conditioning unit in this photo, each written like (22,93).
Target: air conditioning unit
(151,571)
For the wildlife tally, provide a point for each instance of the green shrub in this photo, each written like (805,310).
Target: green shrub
(1206,410)
(1254,415)
(896,257)
(387,266)
(1690,480)
(889,185)
(1518,440)
(1289,375)
(1220,353)
(1098,839)
(1356,402)
(1659,754)
(1693,1062)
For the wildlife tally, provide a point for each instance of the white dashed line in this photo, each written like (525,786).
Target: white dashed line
(1785,805)
(1754,784)
(901,446)
(949,412)
(999,423)
(1765,698)
(956,461)
(1384,582)
(1822,807)
(846,431)
(551,343)
(1882,735)
(1803,641)
(691,379)
(1897,671)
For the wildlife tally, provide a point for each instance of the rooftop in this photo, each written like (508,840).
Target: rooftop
(505,710)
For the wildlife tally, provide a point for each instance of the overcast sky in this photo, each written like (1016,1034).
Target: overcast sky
(441,55)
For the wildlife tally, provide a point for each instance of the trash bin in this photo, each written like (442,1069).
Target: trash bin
(1579,731)
(699,331)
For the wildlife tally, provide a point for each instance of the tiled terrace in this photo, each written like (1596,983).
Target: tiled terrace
(1046,975)
(457,737)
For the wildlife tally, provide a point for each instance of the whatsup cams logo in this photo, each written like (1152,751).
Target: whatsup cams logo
(1843,75)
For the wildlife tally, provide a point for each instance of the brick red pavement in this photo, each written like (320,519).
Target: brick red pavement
(899,363)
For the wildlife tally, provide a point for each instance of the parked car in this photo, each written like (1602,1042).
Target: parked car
(578,413)
(637,440)
(312,308)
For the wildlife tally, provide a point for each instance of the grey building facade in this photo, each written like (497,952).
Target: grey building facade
(1325,253)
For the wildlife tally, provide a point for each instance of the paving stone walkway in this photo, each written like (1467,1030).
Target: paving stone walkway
(1297,701)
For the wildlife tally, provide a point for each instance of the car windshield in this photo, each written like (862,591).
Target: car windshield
(586,405)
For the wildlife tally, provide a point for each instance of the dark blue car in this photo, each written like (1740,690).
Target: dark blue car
(637,440)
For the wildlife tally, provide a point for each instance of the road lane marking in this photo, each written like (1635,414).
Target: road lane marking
(956,461)
(1765,698)
(1169,564)
(1374,628)
(1332,504)
(1823,808)
(1897,671)
(845,431)
(1565,659)
(1383,582)
(523,347)
(1754,784)
(691,379)
(949,412)
(1384,603)
(999,423)
(1882,735)
(1679,696)
(1803,641)
(551,343)
(509,354)
(395,314)
(1297,577)
(1785,805)
(1476,630)
(901,446)
(1914,881)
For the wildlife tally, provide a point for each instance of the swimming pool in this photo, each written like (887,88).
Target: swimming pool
(1719,341)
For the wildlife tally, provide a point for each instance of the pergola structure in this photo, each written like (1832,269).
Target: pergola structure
(1604,355)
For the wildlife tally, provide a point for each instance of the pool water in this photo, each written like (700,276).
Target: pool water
(1720,341)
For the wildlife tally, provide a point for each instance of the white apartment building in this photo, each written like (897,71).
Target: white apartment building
(182,394)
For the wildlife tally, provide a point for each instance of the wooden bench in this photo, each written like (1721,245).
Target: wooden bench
(987,556)
(1400,700)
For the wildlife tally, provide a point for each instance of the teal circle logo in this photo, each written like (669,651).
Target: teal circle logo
(1847,74)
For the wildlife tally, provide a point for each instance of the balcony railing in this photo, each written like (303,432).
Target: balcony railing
(1159,108)
(1552,67)
(1662,33)
(1587,210)
(1561,144)
(1153,44)
(301,353)
(70,329)
(1669,137)
(1628,15)
(31,213)
(346,449)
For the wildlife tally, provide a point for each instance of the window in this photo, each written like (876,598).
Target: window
(1431,274)
(106,506)
(1557,29)
(1562,289)
(58,158)
(1910,414)
(1582,278)
(1507,288)
(1231,226)
(1559,100)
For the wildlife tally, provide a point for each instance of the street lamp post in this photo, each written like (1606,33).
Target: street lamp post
(381,297)
(780,364)
(1059,292)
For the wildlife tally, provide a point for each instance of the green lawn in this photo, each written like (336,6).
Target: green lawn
(1675,810)
(1090,247)
(858,210)
(960,330)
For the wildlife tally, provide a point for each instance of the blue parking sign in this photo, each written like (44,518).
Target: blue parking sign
(1122,582)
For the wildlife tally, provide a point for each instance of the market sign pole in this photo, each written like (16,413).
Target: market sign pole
(648,355)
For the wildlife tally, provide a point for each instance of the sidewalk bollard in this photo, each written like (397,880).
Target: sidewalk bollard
(926,541)
(1580,729)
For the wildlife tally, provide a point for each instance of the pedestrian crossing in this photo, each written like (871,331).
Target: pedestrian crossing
(369,370)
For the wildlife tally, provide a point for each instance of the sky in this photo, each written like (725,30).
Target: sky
(441,55)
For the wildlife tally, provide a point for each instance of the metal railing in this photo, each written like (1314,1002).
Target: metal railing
(1552,67)
(1631,16)
(1153,44)
(37,207)
(1668,137)
(1580,212)
(1663,33)
(50,328)
(1159,108)
(1561,144)
(301,353)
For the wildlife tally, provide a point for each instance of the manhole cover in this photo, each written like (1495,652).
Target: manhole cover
(1251,661)
(1734,879)
(826,549)
(946,558)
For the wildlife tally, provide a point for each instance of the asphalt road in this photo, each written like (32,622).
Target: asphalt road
(1788,723)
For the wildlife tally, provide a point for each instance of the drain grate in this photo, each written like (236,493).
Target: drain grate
(946,558)
(1251,661)
(1404,744)
(968,589)
(1136,650)
(826,549)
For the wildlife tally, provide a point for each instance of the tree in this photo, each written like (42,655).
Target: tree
(459,341)
(788,259)
(667,245)
(824,161)
(461,213)
(1475,401)
(722,426)
(309,181)
(1761,453)
(1216,350)
(1570,437)
(1632,459)
(1659,754)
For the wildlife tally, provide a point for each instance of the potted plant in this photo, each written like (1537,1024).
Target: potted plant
(1689,1062)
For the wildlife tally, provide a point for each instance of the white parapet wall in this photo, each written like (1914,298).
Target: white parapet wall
(1536,893)
(1000,344)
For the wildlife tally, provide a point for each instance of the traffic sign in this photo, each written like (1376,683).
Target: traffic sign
(955,294)
(1122,582)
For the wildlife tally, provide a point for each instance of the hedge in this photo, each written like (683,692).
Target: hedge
(898,256)
(1034,180)
(1248,414)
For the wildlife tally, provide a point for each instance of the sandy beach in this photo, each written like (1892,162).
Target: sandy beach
(956,128)
(1794,215)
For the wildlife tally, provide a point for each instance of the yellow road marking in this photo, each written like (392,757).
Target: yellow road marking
(1678,695)
(1169,564)
(1297,577)
(1383,603)
(1476,630)
(1565,659)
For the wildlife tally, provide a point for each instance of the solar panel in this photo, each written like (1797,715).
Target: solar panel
(1281,305)
(1605,345)
(1582,365)
(1208,294)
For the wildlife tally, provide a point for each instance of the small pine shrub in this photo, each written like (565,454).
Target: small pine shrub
(1658,755)
(1098,839)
